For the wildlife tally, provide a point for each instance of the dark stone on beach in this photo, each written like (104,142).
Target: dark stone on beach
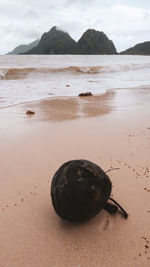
(30,112)
(85,94)
(80,189)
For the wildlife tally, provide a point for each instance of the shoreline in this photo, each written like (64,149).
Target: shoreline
(76,97)
(54,97)
(62,108)
(32,149)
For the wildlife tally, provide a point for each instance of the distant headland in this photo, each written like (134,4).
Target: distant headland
(92,42)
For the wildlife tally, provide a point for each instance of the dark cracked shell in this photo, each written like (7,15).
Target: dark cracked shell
(79,190)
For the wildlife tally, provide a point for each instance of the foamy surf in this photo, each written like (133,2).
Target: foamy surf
(20,73)
(31,78)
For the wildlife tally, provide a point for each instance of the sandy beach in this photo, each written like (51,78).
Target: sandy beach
(111,130)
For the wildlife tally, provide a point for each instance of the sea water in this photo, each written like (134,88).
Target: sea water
(25,78)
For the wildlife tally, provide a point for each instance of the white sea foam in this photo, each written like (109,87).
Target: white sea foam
(29,78)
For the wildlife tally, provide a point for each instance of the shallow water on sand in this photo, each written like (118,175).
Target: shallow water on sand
(31,78)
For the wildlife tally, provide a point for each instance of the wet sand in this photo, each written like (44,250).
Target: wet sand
(112,131)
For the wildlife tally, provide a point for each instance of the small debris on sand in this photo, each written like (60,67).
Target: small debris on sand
(85,94)
(67,85)
(30,112)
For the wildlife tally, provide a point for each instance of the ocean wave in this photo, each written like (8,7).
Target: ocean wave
(20,73)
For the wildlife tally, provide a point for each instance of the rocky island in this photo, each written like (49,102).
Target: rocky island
(55,42)
(59,42)
(23,48)
(138,49)
(94,42)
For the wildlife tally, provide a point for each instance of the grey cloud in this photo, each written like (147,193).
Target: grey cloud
(31,14)
(25,20)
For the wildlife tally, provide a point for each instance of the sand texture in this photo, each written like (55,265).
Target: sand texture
(114,132)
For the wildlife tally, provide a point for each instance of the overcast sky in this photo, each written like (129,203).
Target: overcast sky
(126,22)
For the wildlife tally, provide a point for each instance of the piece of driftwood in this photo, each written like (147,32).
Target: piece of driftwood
(80,189)
(86,94)
(30,112)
